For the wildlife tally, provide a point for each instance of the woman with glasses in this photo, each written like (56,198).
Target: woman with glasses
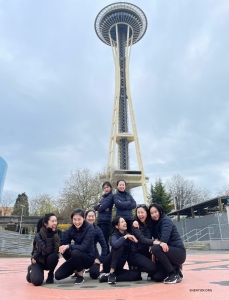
(94,270)
(124,203)
(168,247)
(104,208)
(82,252)
(113,265)
(140,256)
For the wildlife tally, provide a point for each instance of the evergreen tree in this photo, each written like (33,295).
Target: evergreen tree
(157,194)
(22,199)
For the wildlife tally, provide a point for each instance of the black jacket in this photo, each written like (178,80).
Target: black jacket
(165,231)
(144,236)
(117,241)
(124,203)
(106,202)
(42,248)
(99,238)
(83,238)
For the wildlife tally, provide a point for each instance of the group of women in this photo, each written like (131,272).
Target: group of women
(149,243)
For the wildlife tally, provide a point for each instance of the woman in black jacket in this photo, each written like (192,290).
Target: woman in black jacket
(115,261)
(168,247)
(124,203)
(140,256)
(104,208)
(94,270)
(45,250)
(82,252)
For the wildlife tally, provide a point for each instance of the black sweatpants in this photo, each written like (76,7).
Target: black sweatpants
(114,261)
(160,274)
(169,260)
(143,262)
(105,227)
(37,269)
(78,261)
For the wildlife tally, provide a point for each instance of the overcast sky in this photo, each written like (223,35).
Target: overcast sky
(57,91)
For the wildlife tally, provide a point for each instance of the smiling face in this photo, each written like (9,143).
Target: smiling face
(52,223)
(121,225)
(141,214)
(121,186)
(154,213)
(106,189)
(77,220)
(90,217)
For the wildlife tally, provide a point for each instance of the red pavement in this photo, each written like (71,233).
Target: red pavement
(206,277)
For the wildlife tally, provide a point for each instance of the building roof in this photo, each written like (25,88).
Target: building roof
(200,208)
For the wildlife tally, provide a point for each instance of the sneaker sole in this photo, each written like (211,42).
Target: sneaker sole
(172,282)
(79,282)
(111,282)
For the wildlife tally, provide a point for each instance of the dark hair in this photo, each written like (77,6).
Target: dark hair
(159,208)
(77,211)
(44,220)
(144,206)
(121,180)
(107,183)
(116,220)
(89,210)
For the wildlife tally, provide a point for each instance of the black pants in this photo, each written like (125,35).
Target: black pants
(37,269)
(94,271)
(128,275)
(169,260)
(105,227)
(114,260)
(160,274)
(78,261)
(129,224)
(143,262)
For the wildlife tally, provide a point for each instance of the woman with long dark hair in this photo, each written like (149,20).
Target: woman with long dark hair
(119,255)
(94,270)
(168,247)
(104,208)
(124,203)
(45,250)
(81,254)
(140,256)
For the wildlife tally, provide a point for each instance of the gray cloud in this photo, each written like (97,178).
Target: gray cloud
(57,90)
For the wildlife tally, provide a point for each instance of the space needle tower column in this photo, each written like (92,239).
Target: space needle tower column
(120,25)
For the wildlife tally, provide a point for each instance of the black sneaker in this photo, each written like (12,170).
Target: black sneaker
(50,278)
(172,278)
(28,274)
(180,273)
(103,277)
(111,278)
(79,280)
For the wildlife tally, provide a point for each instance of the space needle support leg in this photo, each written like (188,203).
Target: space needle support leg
(114,125)
(134,127)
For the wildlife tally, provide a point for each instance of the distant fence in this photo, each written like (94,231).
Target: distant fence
(207,228)
(15,243)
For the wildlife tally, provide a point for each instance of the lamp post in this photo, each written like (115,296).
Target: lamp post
(22,207)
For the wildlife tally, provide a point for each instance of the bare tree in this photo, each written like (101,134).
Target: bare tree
(7,202)
(185,192)
(42,204)
(223,191)
(81,189)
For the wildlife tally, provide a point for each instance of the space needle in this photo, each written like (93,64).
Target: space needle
(120,25)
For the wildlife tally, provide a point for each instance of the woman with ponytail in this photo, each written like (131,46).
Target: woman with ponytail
(45,250)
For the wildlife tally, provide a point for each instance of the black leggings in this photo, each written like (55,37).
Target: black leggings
(169,260)
(114,261)
(105,227)
(143,262)
(37,269)
(78,261)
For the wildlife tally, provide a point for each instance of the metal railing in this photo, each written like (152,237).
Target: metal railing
(211,232)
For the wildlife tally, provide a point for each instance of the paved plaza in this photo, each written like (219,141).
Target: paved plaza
(206,276)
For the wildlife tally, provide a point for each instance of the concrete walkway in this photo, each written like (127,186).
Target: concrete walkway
(206,276)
